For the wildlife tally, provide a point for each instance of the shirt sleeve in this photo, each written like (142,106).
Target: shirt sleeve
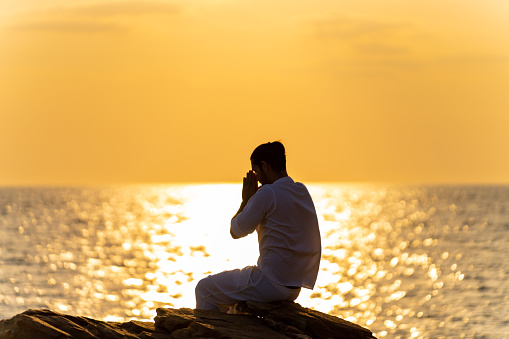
(252,215)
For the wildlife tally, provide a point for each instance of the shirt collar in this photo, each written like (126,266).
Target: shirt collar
(283,180)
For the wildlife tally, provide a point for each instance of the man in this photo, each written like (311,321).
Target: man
(283,214)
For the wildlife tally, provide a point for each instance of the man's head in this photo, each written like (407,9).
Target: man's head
(268,161)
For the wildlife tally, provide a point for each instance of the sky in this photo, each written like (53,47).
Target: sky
(144,91)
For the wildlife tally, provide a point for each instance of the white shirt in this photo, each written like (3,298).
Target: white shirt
(284,216)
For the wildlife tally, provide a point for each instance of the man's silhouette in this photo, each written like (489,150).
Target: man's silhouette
(282,213)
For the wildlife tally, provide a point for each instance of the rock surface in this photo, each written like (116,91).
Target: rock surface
(259,320)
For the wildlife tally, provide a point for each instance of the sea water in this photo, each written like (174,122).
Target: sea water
(403,261)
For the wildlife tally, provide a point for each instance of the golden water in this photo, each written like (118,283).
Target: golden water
(397,260)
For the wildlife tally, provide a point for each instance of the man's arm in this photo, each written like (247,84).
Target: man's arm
(249,188)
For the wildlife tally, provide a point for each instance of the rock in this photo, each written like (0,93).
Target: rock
(259,320)
(304,321)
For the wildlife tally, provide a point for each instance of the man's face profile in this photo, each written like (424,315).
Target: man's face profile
(260,175)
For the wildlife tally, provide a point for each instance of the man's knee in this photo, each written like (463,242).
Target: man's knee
(202,286)
(202,293)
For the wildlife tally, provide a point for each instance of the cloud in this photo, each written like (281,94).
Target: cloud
(368,36)
(97,17)
(116,8)
(380,48)
(69,26)
(374,46)
(348,27)
(473,59)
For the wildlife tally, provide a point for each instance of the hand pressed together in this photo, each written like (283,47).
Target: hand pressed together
(250,186)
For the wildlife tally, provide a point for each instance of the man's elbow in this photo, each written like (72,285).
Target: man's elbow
(233,235)
(234,225)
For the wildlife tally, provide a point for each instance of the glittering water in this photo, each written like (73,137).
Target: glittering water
(406,262)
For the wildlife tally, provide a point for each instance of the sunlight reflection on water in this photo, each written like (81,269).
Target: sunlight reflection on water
(395,259)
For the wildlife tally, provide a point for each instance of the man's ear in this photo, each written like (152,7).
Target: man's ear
(265,166)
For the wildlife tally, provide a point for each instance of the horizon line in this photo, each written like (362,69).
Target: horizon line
(218,182)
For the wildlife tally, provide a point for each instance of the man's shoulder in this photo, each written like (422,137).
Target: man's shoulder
(285,184)
(295,184)
(295,189)
(265,190)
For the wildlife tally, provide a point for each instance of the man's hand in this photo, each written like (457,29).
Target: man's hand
(249,186)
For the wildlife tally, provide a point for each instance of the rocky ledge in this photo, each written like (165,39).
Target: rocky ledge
(258,320)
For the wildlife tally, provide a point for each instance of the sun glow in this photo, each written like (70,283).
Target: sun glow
(172,250)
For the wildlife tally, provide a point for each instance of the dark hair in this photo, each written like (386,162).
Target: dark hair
(272,153)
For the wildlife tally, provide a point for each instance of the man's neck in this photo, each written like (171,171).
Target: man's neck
(277,175)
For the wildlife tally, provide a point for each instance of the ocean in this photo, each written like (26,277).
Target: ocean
(403,261)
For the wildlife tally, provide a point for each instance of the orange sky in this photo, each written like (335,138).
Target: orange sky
(95,92)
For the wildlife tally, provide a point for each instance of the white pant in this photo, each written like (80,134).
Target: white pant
(231,287)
